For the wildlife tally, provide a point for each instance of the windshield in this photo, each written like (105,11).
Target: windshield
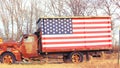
(29,39)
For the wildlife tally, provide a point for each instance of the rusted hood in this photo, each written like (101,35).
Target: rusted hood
(9,43)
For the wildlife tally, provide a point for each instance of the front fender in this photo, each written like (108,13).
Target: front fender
(1,52)
(17,55)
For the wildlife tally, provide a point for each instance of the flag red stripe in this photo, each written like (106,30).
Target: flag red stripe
(75,37)
(91,32)
(90,22)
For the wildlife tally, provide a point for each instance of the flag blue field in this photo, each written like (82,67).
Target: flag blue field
(56,26)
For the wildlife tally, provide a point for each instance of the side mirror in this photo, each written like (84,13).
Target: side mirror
(25,36)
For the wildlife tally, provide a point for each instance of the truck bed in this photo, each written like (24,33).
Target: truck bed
(75,34)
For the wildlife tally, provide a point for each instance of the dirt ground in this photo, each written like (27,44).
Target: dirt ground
(107,61)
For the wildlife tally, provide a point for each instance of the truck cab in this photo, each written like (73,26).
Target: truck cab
(29,46)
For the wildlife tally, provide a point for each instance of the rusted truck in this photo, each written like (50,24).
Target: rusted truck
(71,37)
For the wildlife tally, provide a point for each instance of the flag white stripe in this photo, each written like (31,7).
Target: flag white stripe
(84,44)
(92,20)
(90,25)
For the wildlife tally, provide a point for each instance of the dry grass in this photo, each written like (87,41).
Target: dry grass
(109,61)
(90,64)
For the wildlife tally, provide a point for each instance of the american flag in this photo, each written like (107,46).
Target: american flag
(56,26)
(75,33)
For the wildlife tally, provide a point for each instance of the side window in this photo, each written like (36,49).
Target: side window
(29,39)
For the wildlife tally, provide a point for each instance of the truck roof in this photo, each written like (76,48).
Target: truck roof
(82,17)
(77,17)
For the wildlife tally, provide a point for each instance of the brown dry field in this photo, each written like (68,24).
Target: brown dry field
(108,61)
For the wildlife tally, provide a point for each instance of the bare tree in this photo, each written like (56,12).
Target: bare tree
(5,18)
(33,15)
(117,15)
(57,8)
(18,17)
(80,7)
(117,3)
(107,7)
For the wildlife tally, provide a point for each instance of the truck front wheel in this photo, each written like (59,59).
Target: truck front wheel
(8,58)
(76,57)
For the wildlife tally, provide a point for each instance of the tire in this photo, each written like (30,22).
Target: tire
(8,58)
(65,59)
(76,57)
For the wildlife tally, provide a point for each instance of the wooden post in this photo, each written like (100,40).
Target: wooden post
(46,57)
(87,56)
(119,47)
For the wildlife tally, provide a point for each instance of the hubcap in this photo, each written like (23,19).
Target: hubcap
(7,59)
(76,58)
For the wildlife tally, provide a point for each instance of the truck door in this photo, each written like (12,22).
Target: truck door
(30,46)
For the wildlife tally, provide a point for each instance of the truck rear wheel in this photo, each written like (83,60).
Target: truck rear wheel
(76,57)
(8,58)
